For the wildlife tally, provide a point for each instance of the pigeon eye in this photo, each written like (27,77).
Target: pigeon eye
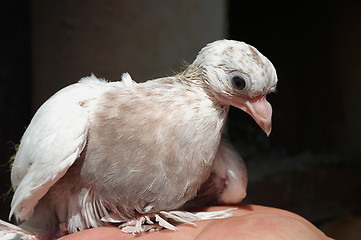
(238,83)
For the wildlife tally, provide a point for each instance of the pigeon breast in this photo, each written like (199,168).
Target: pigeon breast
(151,145)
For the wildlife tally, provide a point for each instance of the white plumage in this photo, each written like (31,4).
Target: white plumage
(100,149)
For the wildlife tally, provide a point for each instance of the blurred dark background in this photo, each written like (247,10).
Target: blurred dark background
(310,164)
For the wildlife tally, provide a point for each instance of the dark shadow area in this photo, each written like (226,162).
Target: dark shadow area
(311,163)
(15,87)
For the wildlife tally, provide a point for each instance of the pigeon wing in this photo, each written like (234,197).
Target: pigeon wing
(230,168)
(52,142)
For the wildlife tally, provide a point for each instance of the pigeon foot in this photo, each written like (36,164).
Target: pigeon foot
(165,219)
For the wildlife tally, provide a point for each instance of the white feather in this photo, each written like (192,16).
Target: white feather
(52,142)
(12,232)
(164,223)
(127,79)
(161,220)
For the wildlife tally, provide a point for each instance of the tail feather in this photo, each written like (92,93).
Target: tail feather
(10,231)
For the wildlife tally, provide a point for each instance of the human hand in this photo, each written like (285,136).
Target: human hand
(248,222)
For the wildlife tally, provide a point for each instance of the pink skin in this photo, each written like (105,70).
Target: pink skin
(248,222)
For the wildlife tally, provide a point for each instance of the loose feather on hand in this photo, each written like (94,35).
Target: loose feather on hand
(99,152)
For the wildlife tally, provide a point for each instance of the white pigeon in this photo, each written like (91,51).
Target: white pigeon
(99,152)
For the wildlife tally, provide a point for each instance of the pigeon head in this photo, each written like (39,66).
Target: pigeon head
(237,74)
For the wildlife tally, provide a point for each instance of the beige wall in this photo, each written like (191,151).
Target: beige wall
(149,39)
